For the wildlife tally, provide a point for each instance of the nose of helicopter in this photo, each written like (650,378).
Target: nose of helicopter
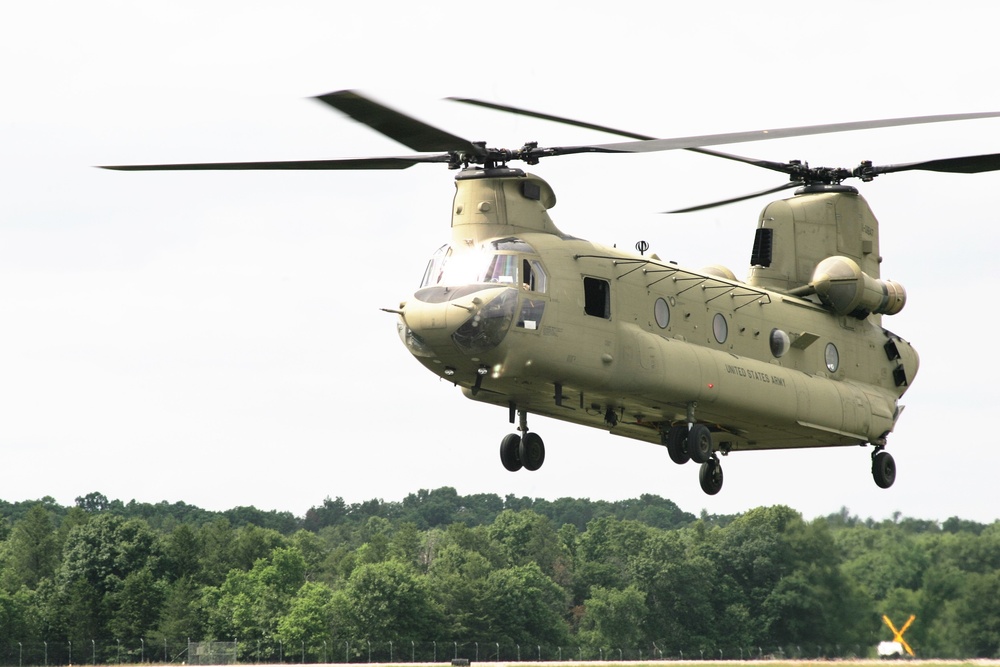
(441,322)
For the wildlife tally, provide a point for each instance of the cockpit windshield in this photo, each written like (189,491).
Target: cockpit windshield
(495,262)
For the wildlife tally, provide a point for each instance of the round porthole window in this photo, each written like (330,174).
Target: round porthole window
(780,342)
(661,311)
(720,327)
(832,358)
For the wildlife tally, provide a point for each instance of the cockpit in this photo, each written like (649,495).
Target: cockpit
(497,285)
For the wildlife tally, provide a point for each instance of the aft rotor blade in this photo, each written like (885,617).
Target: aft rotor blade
(338,164)
(971,164)
(761,135)
(733,200)
(407,130)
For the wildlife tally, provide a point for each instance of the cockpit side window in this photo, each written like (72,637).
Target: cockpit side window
(533,276)
(435,266)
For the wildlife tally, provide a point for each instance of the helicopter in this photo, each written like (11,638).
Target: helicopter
(521,315)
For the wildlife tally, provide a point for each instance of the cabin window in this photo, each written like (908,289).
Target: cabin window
(720,327)
(832,358)
(597,297)
(780,342)
(661,311)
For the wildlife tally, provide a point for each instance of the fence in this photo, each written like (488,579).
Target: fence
(115,652)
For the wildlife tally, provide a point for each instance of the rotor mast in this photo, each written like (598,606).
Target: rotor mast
(500,201)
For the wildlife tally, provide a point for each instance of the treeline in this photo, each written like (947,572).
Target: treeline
(580,578)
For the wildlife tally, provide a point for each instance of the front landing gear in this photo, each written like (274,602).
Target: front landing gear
(883,468)
(517,452)
(526,452)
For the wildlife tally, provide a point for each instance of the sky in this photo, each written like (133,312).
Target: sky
(217,338)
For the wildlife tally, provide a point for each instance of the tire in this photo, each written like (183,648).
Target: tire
(510,452)
(675,441)
(710,476)
(699,443)
(532,451)
(883,469)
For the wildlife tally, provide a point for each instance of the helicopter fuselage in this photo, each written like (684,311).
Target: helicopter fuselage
(558,326)
(630,344)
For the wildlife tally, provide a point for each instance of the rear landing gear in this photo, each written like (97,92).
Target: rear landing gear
(710,476)
(693,442)
(675,440)
(883,468)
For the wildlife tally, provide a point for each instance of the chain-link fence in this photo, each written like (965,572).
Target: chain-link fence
(114,652)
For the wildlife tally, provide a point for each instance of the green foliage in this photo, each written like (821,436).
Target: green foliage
(250,604)
(103,566)
(32,549)
(591,577)
(522,605)
(309,621)
(615,617)
(385,601)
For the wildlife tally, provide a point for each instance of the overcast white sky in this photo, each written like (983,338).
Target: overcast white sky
(216,338)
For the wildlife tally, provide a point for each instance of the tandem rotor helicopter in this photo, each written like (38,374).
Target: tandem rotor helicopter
(520,314)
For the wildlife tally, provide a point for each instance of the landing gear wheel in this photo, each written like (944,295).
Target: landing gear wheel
(510,452)
(699,443)
(883,469)
(710,476)
(675,441)
(532,451)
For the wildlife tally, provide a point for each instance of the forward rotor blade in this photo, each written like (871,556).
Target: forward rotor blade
(766,164)
(396,125)
(544,116)
(733,200)
(338,164)
(971,164)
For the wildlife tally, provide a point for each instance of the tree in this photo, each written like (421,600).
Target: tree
(250,604)
(182,614)
(99,557)
(606,554)
(137,603)
(814,602)
(330,513)
(387,600)
(456,577)
(979,615)
(521,605)
(528,537)
(430,509)
(614,618)
(33,547)
(182,553)
(309,620)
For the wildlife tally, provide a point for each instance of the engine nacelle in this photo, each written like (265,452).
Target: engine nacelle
(843,286)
